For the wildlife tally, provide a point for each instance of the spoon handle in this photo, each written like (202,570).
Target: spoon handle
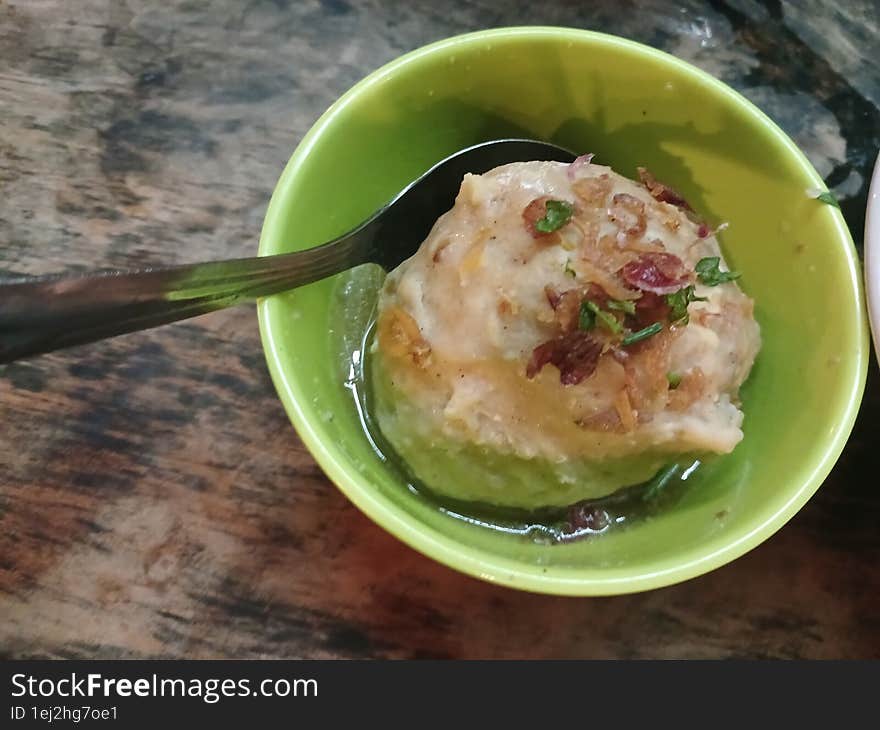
(47,313)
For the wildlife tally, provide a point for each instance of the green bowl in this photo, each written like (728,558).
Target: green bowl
(631,105)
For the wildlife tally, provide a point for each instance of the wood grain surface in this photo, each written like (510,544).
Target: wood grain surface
(154,499)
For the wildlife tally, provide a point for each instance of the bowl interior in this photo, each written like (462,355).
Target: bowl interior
(631,106)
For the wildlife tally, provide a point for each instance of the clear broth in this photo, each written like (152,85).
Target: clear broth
(354,307)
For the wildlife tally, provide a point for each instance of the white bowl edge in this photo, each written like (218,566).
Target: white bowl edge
(872,255)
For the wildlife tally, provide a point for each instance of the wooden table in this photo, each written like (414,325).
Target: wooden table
(154,500)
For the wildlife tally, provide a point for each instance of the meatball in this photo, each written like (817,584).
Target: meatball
(562,332)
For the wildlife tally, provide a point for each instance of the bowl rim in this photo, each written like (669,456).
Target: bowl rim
(502,570)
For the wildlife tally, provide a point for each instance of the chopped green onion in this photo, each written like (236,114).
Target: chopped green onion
(609,320)
(709,273)
(643,334)
(823,196)
(586,317)
(568,270)
(623,305)
(829,199)
(558,213)
(678,303)
(674,380)
(660,480)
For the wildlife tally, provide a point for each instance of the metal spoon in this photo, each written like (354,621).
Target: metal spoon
(41,314)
